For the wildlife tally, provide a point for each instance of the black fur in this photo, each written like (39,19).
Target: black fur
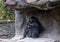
(34,28)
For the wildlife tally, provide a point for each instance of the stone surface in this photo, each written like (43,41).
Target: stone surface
(40,4)
(6,29)
(31,40)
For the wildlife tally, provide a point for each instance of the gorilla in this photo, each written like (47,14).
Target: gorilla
(33,28)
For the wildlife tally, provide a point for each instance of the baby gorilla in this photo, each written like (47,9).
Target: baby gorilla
(33,28)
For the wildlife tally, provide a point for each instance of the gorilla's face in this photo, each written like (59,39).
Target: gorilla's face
(32,19)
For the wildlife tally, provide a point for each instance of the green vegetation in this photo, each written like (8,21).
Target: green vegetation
(5,14)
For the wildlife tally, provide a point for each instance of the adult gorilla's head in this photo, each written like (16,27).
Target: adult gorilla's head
(33,19)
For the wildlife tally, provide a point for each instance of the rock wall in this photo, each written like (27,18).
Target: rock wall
(6,29)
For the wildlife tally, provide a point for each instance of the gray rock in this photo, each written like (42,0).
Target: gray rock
(40,4)
(6,29)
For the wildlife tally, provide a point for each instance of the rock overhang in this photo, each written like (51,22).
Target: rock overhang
(22,4)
